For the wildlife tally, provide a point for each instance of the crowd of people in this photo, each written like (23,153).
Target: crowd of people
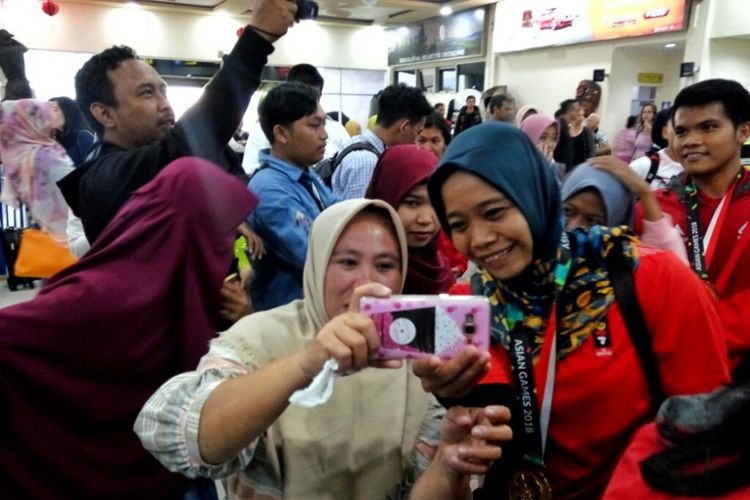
(170,358)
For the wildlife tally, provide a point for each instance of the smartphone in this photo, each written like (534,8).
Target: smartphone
(415,326)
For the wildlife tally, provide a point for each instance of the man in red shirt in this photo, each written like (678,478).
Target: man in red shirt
(710,201)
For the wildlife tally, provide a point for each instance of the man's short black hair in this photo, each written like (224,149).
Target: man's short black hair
(400,101)
(307,74)
(94,85)
(435,120)
(661,120)
(734,97)
(498,100)
(284,104)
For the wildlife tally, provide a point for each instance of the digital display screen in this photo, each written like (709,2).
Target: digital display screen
(529,24)
(458,35)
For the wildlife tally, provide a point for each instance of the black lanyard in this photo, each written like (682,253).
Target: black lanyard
(533,424)
(695,241)
(696,248)
(309,184)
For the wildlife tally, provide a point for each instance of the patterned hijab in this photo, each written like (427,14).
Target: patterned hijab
(34,162)
(504,157)
(400,169)
(324,234)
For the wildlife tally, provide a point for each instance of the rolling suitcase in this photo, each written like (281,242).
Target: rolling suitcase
(11,239)
(12,222)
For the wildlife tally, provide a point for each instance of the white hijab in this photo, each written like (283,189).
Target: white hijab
(324,234)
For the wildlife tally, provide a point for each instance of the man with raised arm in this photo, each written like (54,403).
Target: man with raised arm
(125,100)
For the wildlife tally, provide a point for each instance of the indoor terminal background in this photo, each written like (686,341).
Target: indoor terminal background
(351,39)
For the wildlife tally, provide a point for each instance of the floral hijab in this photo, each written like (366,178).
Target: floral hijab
(34,162)
(504,157)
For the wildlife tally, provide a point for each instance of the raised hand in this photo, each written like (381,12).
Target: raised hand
(471,441)
(350,338)
(455,377)
(273,18)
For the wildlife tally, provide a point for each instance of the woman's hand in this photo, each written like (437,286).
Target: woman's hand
(635,184)
(234,301)
(546,151)
(455,377)
(639,187)
(647,125)
(255,246)
(472,437)
(273,17)
(350,338)
(471,442)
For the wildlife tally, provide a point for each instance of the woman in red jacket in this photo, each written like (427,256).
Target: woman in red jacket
(562,357)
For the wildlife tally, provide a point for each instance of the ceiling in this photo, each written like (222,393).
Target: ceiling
(386,12)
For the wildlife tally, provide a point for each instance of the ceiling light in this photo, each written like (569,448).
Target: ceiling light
(670,45)
(446,11)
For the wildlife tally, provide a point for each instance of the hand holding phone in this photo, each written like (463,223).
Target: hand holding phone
(416,326)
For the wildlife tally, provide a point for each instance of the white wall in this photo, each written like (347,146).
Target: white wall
(545,77)
(729,17)
(627,62)
(730,58)
(697,44)
(718,41)
(91,28)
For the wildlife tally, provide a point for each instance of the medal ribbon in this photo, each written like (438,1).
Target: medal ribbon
(535,423)
(702,250)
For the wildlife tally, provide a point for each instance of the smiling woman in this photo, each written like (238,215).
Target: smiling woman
(400,179)
(554,324)
(231,417)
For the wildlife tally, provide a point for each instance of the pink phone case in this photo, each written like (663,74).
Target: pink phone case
(416,326)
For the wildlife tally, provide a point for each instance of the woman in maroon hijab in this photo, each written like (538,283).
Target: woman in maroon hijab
(78,362)
(400,179)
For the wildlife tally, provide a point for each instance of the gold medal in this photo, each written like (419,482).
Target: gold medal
(529,483)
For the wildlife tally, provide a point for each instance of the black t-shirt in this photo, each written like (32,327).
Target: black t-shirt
(97,189)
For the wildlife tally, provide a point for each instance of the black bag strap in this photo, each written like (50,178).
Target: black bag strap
(655,160)
(356,146)
(262,166)
(621,277)
(93,151)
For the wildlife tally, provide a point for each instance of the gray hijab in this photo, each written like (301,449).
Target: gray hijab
(618,202)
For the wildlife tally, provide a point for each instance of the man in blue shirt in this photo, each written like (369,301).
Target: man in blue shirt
(402,112)
(291,196)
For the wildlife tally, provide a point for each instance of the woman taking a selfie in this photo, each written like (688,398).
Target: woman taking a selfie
(231,417)
(563,359)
